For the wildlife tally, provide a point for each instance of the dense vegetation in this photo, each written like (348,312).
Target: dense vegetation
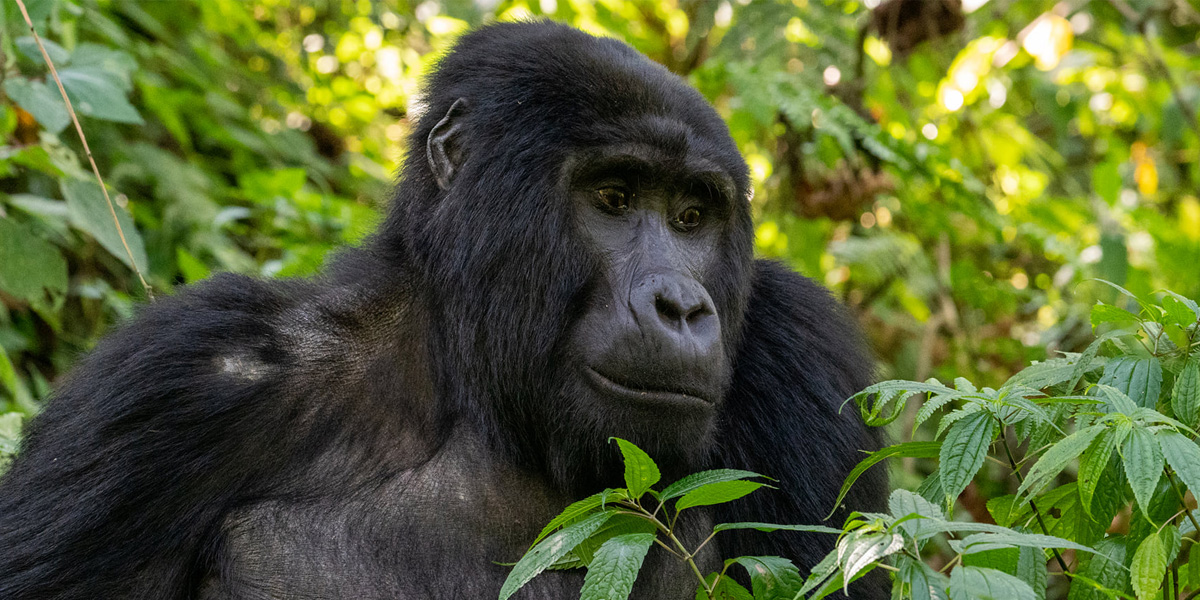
(960,177)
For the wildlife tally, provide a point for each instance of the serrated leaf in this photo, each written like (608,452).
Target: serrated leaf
(964,450)
(614,568)
(1115,401)
(89,212)
(640,470)
(1031,568)
(726,589)
(30,267)
(1103,570)
(887,392)
(1185,398)
(1148,567)
(1143,460)
(1179,312)
(39,100)
(1092,465)
(771,576)
(1184,457)
(1018,539)
(716,493)
(554,547)
(977,583)
(98,94)
(1042,375)
(1106,313)
(1056,459)
(907,450)
(903,502)
(619,524)
(924,583)
(1186,302)
(776,527)
(580,509)
(696,480)
(857,551)
(1138,378)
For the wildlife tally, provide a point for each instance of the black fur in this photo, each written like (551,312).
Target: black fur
(396,426)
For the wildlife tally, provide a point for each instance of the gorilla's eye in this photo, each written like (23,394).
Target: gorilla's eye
(614,199)
(689,218)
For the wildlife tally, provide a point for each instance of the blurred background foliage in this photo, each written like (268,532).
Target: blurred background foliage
(955,171)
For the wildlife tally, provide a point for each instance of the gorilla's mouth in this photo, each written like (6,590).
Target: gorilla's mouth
(639,393)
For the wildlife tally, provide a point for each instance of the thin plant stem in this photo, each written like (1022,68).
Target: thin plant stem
(112,209)
(1036,513)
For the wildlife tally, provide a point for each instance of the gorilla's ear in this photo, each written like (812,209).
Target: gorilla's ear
(446,146)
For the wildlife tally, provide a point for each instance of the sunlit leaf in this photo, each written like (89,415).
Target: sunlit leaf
(614,568)
(963,451)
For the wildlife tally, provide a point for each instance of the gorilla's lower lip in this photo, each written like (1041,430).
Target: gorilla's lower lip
(643,395)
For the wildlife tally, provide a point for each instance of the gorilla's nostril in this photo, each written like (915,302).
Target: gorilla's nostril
(698,312)
(667,309)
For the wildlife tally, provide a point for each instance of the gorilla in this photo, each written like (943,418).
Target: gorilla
(567,257)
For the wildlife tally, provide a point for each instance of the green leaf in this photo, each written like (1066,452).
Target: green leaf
(696,480)
(39,100)
(1092,465)
(727,589)
(1056,459)
(860,549)
(29,266)
(977,583)
(1143,464)
(90,212)
(10,432)
(619,524)
(1103,570)
(771,576)
(902,503)
(545,554)
(1178,312)
(1185,398)
(775,527)
(1184,457)
(1193,565)
(58,55)
(1115,400)
(611,574)
(98,94)
(640,470)
(1138,378)
(907,449)
(1108,314)
(924,583)
(963,451)
(1031,568)
(1106,181)
(716,493)
(980,541)
(578,510)
(1148,567)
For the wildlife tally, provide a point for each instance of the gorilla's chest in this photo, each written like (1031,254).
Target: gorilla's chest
(435,534)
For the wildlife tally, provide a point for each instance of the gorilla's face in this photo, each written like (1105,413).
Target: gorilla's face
(652,363)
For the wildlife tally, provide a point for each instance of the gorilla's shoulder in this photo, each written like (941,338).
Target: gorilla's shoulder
(797,329)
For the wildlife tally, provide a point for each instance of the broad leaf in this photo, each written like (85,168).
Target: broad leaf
(640,470)
(1184,457)
(578,510)
(858,550)
(1185,398)
(924,583)
(614,568)
(1138,378)
(1148,567)
(964,450)
(30,267)
(727,589)
(1106,313)
(39,100)
(98,94)
(1143,464)
(545,554)
(1103,570)
(903,502)
(696,480)
(771,576)
(716,493)
(90,212)
(1057,458)
(1092,465)
(971,583)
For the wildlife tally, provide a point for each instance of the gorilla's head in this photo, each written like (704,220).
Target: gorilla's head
(579,220)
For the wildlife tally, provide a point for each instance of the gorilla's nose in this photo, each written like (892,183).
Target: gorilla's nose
(679,309)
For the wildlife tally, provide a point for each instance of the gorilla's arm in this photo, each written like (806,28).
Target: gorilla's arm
(120,484)
(800,358)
